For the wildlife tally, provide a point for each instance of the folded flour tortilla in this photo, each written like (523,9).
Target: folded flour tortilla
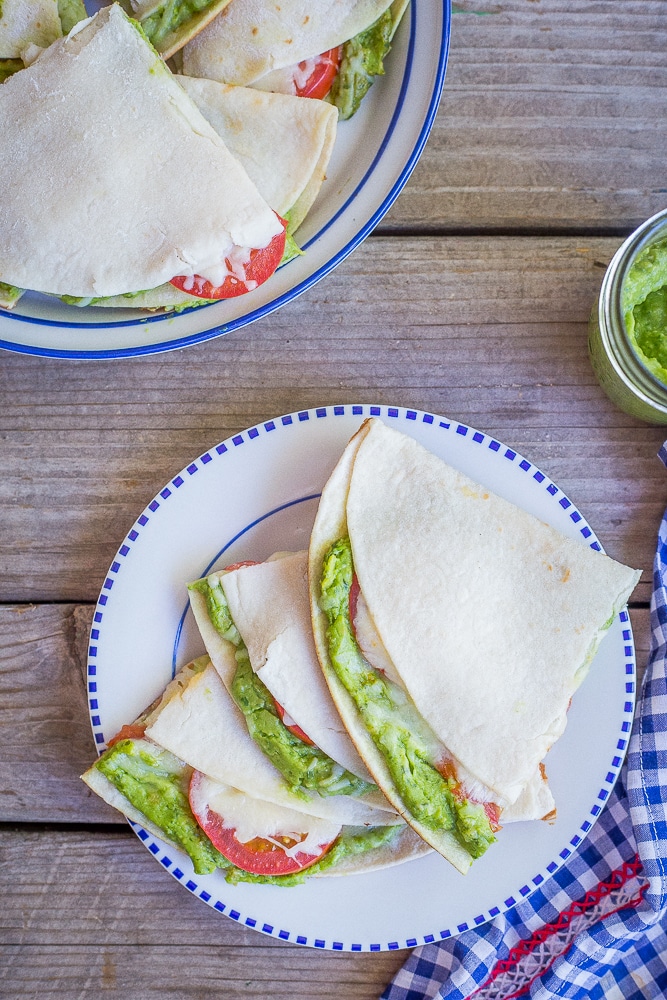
(486,617)
(252,38)
(269,605)
(284,143)
(115,195)
(195,726)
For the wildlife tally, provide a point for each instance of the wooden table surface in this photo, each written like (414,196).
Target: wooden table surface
(471,299)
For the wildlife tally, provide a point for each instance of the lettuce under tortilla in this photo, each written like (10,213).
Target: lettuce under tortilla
(363,60)
(70,13)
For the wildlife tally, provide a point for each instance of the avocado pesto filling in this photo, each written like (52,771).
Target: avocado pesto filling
(392,720)
(363,60)
(304,767)
(70,13)
(157,785)
(8,67)
(169,17)
(352,841)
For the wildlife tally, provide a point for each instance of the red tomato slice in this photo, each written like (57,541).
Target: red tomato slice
(258,856)
(323,69)
(135,731)
(239,565)
(293,728)
(250,272)
(493,814)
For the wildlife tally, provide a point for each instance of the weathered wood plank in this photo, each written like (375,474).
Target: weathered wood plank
(552,119)
(45,738)
(489,332)
(119,927)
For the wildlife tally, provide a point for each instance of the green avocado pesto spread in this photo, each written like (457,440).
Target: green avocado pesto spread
(362,60)
(305,768)
(170,16)
(393,722)
(155,782)
(644,304)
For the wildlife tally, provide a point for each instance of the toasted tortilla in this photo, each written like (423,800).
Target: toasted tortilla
(270,606)
(490,616)
(284,143)
(27,22)
(284,658)
(254,37)
(201,680)
(115,195)
(204,727)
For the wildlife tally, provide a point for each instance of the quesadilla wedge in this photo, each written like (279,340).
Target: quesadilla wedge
(82,214)
(335,49)
(240,818)
(254,619)
(284,144)
(453,629)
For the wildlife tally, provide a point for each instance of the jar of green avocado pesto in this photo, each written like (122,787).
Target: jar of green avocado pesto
(628,326)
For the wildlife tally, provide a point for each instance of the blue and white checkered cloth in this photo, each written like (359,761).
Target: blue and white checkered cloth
(598,927)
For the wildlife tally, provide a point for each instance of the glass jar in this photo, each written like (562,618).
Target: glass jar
(619,370)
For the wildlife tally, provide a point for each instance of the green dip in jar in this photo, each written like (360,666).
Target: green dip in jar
(644,304)
(627,331)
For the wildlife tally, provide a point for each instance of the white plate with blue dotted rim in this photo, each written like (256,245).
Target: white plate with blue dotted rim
(375,153)
(253,494)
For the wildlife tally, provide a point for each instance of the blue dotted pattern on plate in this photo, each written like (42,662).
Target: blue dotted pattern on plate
(388,413)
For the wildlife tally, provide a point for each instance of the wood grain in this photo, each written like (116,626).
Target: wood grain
(551,120)
(489,332)
(90,917)
(45,737)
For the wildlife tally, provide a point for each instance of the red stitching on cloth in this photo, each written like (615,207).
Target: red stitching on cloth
(617,879)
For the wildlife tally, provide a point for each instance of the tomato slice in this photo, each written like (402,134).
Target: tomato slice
(134,731)
(240,565)
(292,726)
(314,77)
(493,814)
(247,269)
(259,856)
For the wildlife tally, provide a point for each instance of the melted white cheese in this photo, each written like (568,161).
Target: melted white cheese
(233,265)
(251,818)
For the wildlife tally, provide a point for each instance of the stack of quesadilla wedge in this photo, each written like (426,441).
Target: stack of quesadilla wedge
(116,196)
(189,772)
(255,623)
(453,629)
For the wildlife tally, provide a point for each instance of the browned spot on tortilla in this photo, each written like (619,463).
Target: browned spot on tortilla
(255,31)
(550,817)
(566,576)
(543,771)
